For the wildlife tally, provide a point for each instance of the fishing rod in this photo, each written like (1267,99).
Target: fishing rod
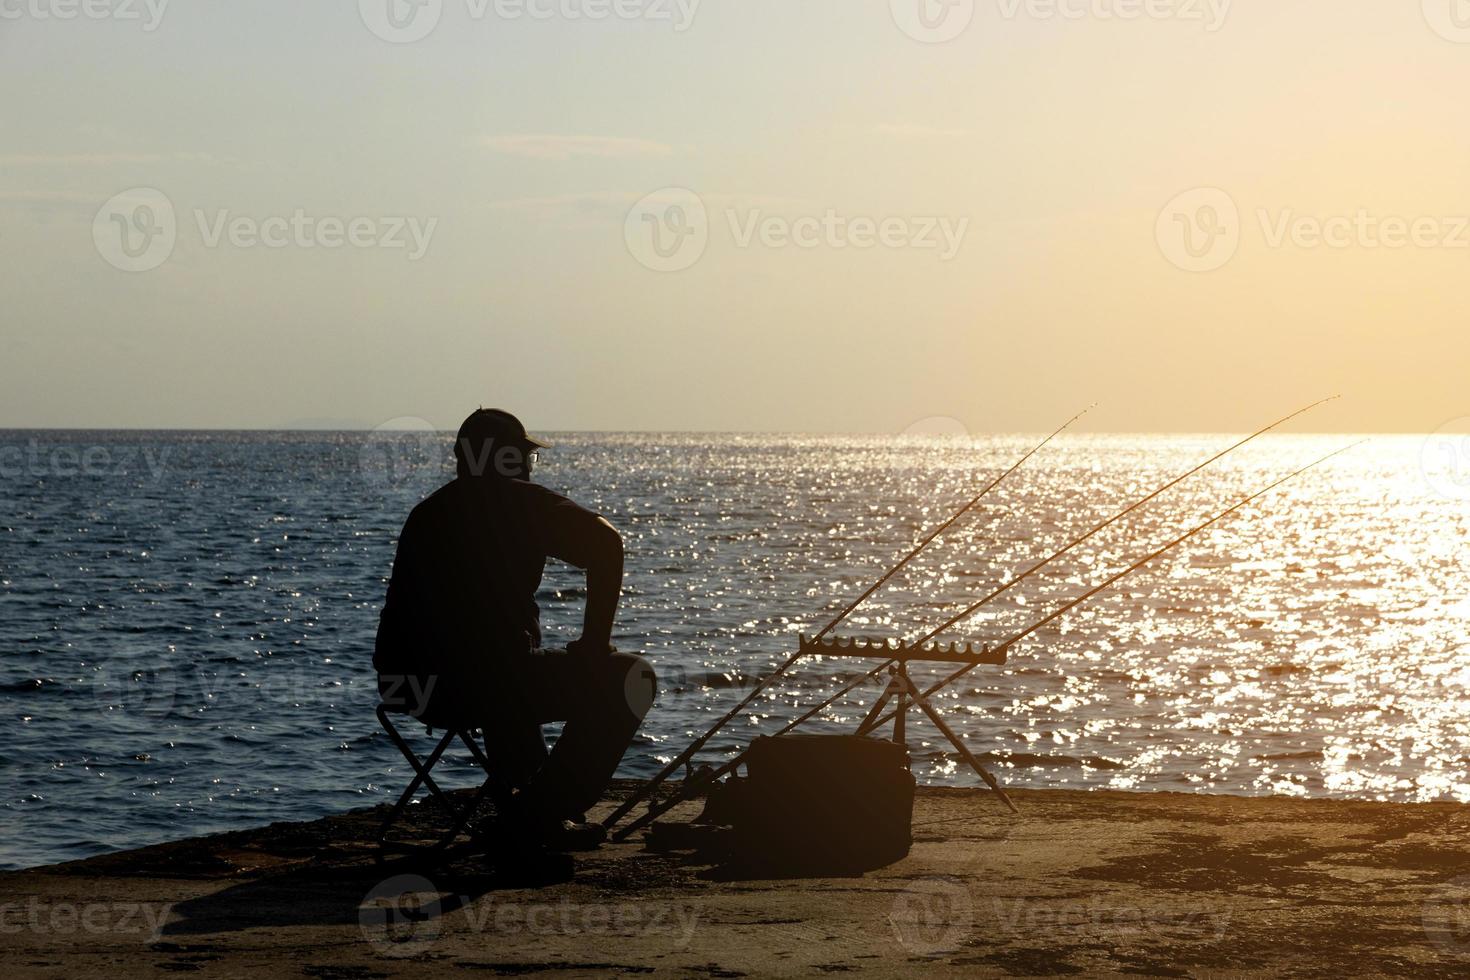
(655,813)
(872,674)
(1111,580)
(683,757)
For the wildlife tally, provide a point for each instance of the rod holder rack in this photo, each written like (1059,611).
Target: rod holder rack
(868,649)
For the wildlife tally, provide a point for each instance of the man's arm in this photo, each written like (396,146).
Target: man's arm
(604,587)
(579,537)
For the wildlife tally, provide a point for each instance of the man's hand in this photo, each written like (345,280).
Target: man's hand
(590,648)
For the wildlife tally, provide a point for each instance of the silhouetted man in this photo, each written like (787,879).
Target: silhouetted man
(462,625)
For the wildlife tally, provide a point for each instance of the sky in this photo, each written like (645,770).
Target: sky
(831,215)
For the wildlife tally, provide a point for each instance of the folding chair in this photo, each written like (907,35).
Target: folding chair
(494,786)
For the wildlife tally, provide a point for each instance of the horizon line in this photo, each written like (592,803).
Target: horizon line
(720,432)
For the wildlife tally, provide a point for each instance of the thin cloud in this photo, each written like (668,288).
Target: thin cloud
(98,159)
(48,203)
(620,201)
(568,203)
(910,131)
(545,146)
(46,197)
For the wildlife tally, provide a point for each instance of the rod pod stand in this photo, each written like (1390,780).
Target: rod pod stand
(902,693)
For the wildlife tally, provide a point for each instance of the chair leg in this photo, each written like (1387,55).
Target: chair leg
(424,779)
(460,814)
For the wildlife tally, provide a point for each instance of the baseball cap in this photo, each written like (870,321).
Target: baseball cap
(498,427)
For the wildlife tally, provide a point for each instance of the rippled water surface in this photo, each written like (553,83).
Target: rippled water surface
(186,620)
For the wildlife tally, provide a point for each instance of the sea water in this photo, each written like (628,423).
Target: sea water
(187,619)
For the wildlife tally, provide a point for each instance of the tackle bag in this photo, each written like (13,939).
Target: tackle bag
(839,803)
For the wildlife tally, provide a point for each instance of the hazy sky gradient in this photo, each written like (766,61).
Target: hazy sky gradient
(1060,141)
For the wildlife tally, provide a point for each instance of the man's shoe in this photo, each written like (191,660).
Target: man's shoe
(531,865)
(517,829)
(566,835)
